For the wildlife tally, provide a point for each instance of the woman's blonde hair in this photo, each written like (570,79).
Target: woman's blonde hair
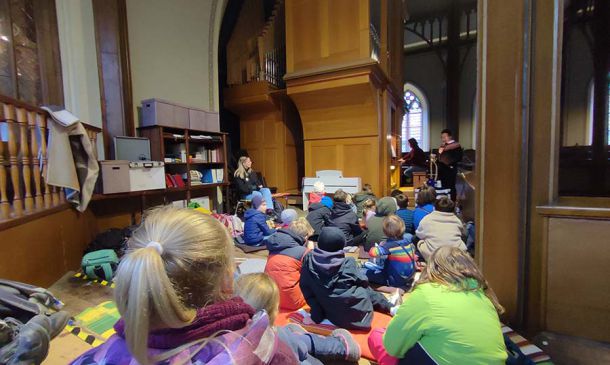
(301,227)
(455,269)
(242,172)
(177,260)
(260,291)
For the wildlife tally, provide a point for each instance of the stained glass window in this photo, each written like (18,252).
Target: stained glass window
(412,121)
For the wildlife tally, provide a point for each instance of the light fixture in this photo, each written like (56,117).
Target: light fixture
(4,38)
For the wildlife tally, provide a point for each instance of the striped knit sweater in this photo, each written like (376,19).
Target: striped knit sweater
(399,266)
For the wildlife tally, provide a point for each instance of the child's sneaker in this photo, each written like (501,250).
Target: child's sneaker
(396,298)
(352,350)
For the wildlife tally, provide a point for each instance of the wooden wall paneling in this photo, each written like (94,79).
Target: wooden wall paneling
(338,32)
(342,113)
(500,200)
(543,149)
(354,156)
(41,259)
(578,289)
(114,73)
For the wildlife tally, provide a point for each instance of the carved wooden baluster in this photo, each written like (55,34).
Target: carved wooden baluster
(13,152)
(5,207)
(22,121)
(35,159)
(62,194)
(42,125)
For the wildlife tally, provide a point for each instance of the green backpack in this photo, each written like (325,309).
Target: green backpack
(100,264)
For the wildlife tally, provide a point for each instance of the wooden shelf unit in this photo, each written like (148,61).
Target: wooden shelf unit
(163,142)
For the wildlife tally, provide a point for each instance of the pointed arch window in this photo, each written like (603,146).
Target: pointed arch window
(415,122)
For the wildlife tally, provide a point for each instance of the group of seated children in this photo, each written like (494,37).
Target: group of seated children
(179,301)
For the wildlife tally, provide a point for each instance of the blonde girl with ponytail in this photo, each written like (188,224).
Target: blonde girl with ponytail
(174,294)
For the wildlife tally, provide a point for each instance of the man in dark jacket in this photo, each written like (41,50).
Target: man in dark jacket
(450,154)
(255,227)
(344,218)
(335,288)
(318,217)
(374,234)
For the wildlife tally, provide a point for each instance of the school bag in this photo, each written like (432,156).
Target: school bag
(100,264)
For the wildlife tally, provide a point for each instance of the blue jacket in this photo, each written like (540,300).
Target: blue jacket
(255,228)
(407,216)
(419,213)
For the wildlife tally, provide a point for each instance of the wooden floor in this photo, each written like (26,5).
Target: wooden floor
(79,295)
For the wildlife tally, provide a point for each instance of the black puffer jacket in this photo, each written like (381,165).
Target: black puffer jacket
(318,217)
(344,218)
(335,290)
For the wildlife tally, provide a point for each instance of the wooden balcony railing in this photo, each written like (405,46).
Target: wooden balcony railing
(23,161)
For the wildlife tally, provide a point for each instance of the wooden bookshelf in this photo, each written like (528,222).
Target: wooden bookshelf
(167,142)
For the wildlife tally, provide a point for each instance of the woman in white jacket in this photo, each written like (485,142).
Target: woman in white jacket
(440,228)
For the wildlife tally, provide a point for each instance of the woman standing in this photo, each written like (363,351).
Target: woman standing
(248,184)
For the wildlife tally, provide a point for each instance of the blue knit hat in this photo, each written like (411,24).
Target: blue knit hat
(288,216)
(257,200)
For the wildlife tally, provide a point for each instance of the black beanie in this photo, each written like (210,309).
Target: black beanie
(331,239)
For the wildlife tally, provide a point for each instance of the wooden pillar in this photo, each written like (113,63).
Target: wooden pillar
(502,156)
(453,70)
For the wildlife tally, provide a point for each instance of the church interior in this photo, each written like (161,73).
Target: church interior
(157,155)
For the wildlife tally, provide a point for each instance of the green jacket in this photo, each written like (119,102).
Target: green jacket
(453,327)
(385,207)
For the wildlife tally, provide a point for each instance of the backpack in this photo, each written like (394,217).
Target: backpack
(100,264)
(114,239)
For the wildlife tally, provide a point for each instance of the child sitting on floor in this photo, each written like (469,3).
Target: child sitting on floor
(440,228)
(287,247)
(173,291)
(318,195)
(405,214)
(262,293)
(288,216)
(344,218)
(334,287)
(374,234)
(368,210)
(256,229)
(361,197)
(399,265)
(319,217)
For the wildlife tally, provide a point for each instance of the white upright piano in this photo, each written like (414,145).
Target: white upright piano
(333,180)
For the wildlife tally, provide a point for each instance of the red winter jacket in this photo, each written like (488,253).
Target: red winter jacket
(286,252)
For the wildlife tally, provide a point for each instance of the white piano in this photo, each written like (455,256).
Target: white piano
(333,180)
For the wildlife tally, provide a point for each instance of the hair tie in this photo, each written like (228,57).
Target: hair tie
(156,245)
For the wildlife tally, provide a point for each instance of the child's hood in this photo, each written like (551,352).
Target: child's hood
(325,266)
